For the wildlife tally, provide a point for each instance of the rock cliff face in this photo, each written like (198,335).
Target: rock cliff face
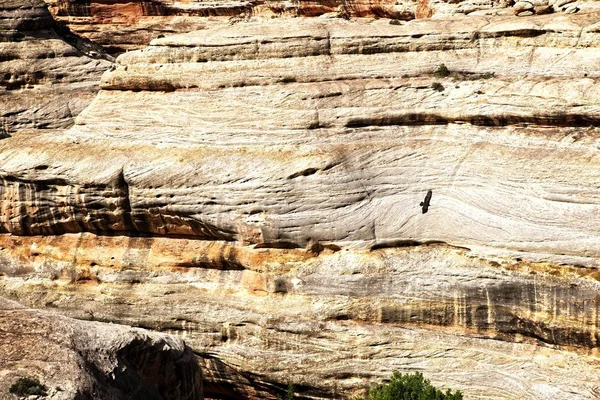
(89,360)
(322,201)
(47,74)
(122,25)
(330,323)
(331,135)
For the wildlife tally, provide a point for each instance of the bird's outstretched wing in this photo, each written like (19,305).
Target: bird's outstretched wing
(425,203)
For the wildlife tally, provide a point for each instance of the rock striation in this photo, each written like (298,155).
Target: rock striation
(324,204)
(343,130)
(330,323)
(47,74)
(90,360)
(120,26)
(123,25)
(261,191)
(128,25)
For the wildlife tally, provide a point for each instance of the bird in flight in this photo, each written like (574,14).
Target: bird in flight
(425,203)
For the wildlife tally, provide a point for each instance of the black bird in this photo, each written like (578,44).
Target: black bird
(425,203)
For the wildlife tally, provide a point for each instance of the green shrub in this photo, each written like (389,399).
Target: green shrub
(28,387)
(442,71)
(289,394)
(410,387)
(438,87)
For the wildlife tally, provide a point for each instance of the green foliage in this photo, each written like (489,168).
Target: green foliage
(28,387)
(442,71)
(410,387)
(289,394)
(438,87)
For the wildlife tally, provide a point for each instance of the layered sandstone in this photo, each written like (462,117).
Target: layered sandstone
(331,135)
(47,74)
(258,189)
(123,25)
(91,360)
(332,323)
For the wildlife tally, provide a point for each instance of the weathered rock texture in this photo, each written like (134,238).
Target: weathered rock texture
(332,135)
(330,323)
(91,360)
(47,74)
(258,188)
(121,25)
(125,25)
(134,11)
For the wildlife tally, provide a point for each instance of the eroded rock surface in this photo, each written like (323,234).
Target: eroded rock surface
(263,191)
(330,323)
(47,74)
(332,134)
(124,25)
(121,25)
(91,360)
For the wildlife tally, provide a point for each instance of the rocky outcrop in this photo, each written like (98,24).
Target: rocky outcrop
(47,74)
(91,360)
(341,136)
(324,204)
(128,25)
(330,323)
(125,25)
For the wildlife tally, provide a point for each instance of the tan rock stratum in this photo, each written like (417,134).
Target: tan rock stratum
(47,74)
(321,201)
(91,360)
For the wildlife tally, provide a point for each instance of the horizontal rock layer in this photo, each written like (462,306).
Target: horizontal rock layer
(81,360)
(119,10)
(123,25)
(330,323)
(47,74)
(283,175)
(337,148)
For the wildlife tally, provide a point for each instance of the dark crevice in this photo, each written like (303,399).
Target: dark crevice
(306,172)
(281,244)
(404,243)
(412,119)
(525,33)
(396,243)
(225,382)
(399,243)
(126,205)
